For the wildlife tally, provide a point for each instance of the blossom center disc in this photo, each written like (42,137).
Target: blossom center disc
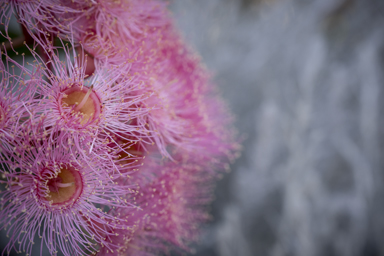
(65,188)
(87,103)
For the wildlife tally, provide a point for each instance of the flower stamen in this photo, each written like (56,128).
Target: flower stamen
(2,114)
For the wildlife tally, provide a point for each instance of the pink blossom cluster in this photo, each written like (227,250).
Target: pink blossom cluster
(111,132)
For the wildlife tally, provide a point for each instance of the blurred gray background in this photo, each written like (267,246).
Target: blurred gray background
(304,79)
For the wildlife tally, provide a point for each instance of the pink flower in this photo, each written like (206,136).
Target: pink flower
(171,200)
(160,62)
(96,24)
(191,118)
(87,133)
(132,20)
(41,17)
(89,113)
(194,125)
(187,115)
(63,199)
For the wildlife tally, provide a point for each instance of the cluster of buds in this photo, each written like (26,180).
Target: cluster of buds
(111,134)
